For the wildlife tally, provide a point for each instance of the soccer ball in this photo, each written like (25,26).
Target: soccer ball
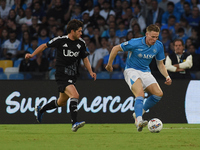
(155,125)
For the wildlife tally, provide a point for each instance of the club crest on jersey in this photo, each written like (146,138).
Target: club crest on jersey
(70,53)
(79,46)
(125,43)
(154,50)
(65,45)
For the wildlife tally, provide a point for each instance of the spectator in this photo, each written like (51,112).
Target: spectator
(185,25)
(187,10)
(2,25)
(139,17)
(97,37)
(76,14)
(39,64)
(195,36)
(125,5)
(20,15)
(187,44)
(106,11)
(28,17)
(24,27)
(18,4)
(118,8)
(136,30)
(166,39)
(12,14)
(170,11)
(195,70)
(25,43)
(127,17)
(101,24)
(10,46)
(4,10)
(3,38)
(179,7)
(106,32)
(179,63)
(163,5)
(195,3)
(181,35)
(113,39)
(90,31)
(87,40)
(70,10)
(129,36)
(155,14)
(146,6)
(133,4)
(95,58)
(43,38)
(34,45)
(194,20)
(103,50)
(35,26)
(122,31)
(96,15)
(89,8)
(57,12)
(170,25)
(39,12)
(86,21)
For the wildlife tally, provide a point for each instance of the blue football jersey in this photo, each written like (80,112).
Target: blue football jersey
(140,54)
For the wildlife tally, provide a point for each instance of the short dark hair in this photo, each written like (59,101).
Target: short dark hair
(178,40)
(74,25)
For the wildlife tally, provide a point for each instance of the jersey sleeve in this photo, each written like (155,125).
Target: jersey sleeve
(54,42)
(160,55)
(83,53)
(127,46)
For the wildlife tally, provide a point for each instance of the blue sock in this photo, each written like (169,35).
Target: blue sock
(151,101)
(138,106)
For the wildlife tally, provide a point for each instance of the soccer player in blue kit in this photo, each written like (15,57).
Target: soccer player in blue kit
(137,72)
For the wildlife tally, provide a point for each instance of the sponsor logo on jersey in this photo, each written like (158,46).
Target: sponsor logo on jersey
(65,45)
(146,56)
(70,53)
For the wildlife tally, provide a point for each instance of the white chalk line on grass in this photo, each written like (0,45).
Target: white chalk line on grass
(182,128)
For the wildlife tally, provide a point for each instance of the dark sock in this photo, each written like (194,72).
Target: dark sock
(73,109)
(53,104)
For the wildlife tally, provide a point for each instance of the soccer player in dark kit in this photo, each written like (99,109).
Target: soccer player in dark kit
(70,50)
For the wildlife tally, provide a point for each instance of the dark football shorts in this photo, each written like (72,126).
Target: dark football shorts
(64,80)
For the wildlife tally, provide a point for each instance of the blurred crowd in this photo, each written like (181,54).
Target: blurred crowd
(26,24)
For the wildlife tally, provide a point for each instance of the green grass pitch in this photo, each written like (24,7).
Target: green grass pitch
(98,137)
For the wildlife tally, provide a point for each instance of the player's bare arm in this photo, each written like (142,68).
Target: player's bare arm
(88,67)
(164,72)
(38,50)
(113,54)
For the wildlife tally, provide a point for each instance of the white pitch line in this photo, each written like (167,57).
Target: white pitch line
(181,128)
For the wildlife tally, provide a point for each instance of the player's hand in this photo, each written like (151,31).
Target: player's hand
(28,56)
(168,81)
(109,68)
(93,75)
